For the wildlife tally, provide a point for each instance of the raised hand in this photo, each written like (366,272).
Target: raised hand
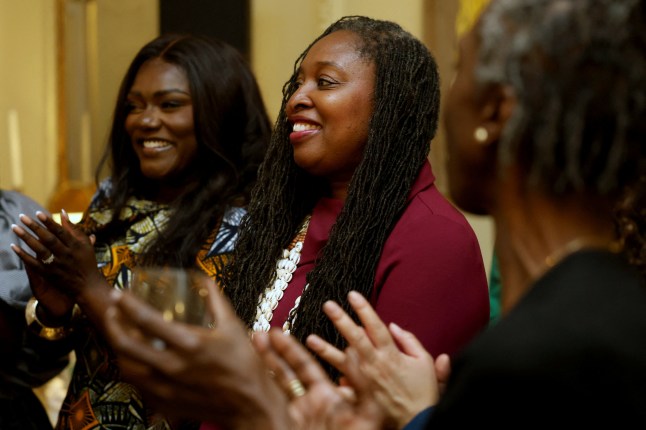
(64,268)
(401,372)
(316,402)
(64,254)
(213,375)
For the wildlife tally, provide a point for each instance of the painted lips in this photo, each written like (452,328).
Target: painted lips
(154,146)
(303,130)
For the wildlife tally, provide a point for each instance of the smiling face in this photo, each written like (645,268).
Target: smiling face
(160,121)
(331,109)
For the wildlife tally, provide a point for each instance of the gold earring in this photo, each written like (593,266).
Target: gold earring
(481,135)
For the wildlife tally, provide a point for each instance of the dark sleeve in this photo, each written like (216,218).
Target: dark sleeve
(26,360)
(420,420)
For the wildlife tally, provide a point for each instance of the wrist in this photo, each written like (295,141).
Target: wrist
(51,318)
(95,288)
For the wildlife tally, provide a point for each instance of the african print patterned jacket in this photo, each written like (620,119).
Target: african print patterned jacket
(96,398)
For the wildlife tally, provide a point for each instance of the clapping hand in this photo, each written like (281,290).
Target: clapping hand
(64,269)
(213,375)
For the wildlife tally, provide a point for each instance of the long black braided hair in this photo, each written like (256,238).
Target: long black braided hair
(404,120)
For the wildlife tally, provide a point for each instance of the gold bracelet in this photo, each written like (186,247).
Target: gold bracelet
(41,330)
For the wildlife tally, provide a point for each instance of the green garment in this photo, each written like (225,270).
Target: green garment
(494,292)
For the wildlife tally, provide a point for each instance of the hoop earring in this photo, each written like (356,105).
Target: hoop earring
(481,135)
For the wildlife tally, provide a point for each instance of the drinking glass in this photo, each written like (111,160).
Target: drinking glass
(179,294)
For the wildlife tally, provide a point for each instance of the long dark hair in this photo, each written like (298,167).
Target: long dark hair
(404,120)
(232,131)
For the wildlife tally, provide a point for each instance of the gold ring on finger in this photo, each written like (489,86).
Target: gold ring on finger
(296,388)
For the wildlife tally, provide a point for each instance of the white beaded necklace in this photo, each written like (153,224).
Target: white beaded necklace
(285,267)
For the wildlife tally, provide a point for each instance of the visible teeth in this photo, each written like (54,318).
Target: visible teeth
(155,143)
(302,126)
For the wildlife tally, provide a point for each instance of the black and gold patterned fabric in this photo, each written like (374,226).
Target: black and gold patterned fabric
(96,398)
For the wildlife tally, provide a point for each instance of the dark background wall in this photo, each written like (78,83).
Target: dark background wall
(227,20)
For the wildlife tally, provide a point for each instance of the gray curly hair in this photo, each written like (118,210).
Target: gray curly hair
(578,70)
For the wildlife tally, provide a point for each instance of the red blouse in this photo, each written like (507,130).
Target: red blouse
(430,276)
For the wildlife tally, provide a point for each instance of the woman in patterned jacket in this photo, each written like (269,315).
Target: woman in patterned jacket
(188,133)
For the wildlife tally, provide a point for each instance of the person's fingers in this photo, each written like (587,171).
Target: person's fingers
(127,340)
(133,370)
(409,344)
(326,351)
(144,361)
(59,231)
(69,228)
(48,238)
(156,387)
(39,249)
(282,372)
(372,324)
(27,258)
(442,369)
(304,365)
(260,341)
(219,307)
(355,335)
(348,393)
(354,375)
(152,325)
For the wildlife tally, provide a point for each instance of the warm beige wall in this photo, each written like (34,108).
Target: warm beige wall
(27,85)
(282,29)
(439,33)
(28,79)
(123,27)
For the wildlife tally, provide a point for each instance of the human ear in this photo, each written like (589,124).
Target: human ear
(498,103)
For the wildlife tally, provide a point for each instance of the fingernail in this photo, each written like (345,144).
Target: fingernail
(394,327)
(331,308)
(355,298)
(313,341)
(64,213)
(116,294)
(261,339)
(41,216)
